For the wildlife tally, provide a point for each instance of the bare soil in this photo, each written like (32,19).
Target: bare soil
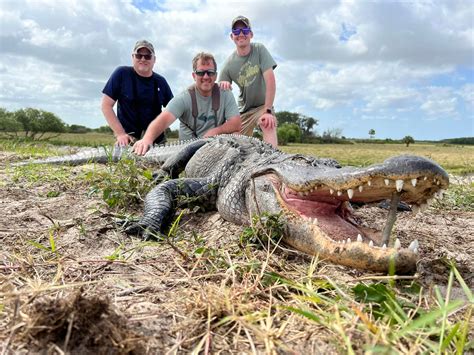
(169,297)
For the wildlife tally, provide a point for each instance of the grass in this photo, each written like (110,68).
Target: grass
(87,139)
(249,296)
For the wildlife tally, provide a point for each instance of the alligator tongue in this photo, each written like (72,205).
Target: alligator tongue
(337,228)
(335,221)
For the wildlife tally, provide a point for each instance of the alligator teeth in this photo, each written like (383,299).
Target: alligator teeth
(300,193)
(369,183)
(339,193)
(359,238)
(438,182)
(350,193)
(384,246)
(399,185)
(349,240)
(426,177)
(397,244)
(331,191)
(387,181)
(413,182)
(414,245)
(371,244)
(361,188)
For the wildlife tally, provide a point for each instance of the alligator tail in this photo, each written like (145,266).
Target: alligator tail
(90,155)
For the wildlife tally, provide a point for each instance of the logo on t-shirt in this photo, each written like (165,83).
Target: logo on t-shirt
(247,74)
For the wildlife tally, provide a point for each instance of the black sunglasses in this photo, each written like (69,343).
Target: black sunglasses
(209,72)
(146,56)
(245,31)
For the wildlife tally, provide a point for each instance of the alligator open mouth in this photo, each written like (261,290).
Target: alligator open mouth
(320,218)
(330,207)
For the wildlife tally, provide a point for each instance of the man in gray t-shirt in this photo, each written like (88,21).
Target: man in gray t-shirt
(207,121)
(251,67)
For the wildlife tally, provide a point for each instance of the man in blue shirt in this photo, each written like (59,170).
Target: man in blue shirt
(140,95)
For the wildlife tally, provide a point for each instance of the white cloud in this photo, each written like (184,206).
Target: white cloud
(467,94)
(349,59)
(440,103)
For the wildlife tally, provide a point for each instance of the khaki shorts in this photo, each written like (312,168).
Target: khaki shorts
(250,120)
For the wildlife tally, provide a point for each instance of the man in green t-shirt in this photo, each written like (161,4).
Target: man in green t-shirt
(206,122)
(251,67)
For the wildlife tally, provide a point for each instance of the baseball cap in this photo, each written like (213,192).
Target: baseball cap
(144,44)
(242,19)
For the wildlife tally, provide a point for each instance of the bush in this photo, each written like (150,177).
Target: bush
(288,133)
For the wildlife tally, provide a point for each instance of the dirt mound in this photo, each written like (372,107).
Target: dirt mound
(80,324)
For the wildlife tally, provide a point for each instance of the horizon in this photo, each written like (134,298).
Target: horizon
(400,68)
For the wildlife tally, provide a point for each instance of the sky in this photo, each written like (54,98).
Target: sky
(398,67)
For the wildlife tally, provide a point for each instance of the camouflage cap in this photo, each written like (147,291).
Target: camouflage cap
(242,19)
(144,44)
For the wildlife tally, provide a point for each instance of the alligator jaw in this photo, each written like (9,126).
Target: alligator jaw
(309,238)
(318,221)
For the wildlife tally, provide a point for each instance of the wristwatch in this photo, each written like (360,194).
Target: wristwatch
(269,110)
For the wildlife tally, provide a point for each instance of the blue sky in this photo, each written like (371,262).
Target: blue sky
(399,67)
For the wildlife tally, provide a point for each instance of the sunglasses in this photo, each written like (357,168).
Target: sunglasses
(146,56)
(237,31)
(209,72)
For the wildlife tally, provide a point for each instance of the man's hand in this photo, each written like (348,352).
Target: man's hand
(267,121)
(124,139)
(141,146)
(225,85)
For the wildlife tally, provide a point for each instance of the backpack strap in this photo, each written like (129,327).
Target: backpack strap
(216,98)
(194,108)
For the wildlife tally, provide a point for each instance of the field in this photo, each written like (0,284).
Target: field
(73,282)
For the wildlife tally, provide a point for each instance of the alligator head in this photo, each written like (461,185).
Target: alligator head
(314,201)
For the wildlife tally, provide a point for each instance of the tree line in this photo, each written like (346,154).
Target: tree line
(293,127)
(34,124)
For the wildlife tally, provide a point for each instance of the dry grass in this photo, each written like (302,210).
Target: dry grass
(72,282)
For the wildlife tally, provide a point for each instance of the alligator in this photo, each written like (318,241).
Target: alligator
(243,177)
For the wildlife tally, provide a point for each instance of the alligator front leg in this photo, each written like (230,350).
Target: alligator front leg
(175,164)
(161,202)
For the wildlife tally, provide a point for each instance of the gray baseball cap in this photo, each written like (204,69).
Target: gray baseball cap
(242,19)
(144,44)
